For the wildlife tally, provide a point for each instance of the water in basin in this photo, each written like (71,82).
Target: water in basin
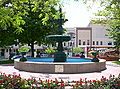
(52,59)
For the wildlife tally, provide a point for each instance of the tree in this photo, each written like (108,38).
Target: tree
(77,50)
(39,16)
(9,24)
(30,22)
(111,13)
(50,51)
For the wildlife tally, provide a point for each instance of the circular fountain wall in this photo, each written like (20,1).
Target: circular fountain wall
(61,67)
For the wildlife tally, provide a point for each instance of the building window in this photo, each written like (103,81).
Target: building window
(83,42)
(52,45)
(109,43)
(97,43)
(14,50)
(101,43)
(64,44)
(88,42)
(73,44)
(79,42)
(93,42)
(16,44)
(70,43)
(6,50)
(115,43)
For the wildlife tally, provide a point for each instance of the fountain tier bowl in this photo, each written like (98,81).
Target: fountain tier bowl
(61,67)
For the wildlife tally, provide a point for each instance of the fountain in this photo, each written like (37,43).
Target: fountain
(59,56)
(60,65)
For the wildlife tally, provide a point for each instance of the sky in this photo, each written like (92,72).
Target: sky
(76,13)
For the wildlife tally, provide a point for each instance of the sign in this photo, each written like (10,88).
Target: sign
(59,68)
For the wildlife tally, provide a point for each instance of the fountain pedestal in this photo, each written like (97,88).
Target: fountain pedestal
(59,56)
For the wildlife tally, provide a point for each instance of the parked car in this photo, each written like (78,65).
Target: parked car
(43,55)
(16,57)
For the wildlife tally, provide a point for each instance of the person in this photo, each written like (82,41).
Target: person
(82,55)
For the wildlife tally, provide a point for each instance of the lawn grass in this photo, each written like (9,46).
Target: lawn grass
(117,62)
(6,61)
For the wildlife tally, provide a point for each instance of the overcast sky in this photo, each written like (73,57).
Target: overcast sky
(76,13)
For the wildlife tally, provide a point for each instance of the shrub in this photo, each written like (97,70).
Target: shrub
(16,82)
(78,50)
(23,49)
(50,51)
(23,59)
(94,54)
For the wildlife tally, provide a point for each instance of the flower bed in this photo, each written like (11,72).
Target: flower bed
(16,82)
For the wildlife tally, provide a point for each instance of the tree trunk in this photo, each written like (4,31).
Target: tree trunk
(32,49)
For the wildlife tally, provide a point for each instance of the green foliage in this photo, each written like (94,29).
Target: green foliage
(50,50)
(94,53)
(17,82)
(99,21)
(23,49)
(23,59)
(7,62)
(9,24)
(111,12)
(77,50)
(39,17)
(30,21)
(117,62)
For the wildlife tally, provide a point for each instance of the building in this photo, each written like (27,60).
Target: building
(93,36)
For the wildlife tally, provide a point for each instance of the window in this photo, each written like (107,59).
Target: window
(97,43)
(93,42)
(73,44)
(79,42)
(10,50)
(70,43)
(29,44)
(101,43)
(15,44)
(14,50)
(109,43)
(115,43)
(6,50)
(88,42)
(52,45)
(83,42)
(64,44)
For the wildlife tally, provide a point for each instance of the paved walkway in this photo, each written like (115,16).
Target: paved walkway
(113,69)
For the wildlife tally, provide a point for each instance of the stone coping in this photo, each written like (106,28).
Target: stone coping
(49,67)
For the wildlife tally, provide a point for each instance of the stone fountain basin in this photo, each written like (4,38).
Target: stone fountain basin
(59,38)
(61,67)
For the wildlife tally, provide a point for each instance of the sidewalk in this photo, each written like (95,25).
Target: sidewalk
(113,69)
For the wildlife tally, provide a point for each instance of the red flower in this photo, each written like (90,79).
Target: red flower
(56,81)
(81,82)
(62,84)
(94,81)
(9,75)
(41,81)
(1,81)
(90,81)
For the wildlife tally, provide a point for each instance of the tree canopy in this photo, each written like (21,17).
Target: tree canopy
(29,21)
(111,13)
(9,24)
